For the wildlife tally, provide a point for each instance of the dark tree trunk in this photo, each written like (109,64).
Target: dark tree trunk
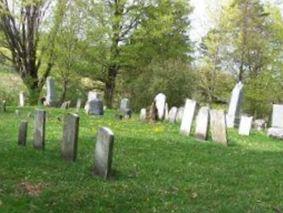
(110,86)
(64,92)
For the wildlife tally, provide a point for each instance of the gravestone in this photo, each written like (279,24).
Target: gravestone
(173,114)
(276,129)
(188,117)
(143,114)
(4,107)
(22,99)
(51,92)
(166,115)
(70,137)
(22,137)
(180,114)
(66,105)
(78,105)
(202,123)
(233,115)
(245,125)
(160,101)
(96,107)
(91,96)
(218,127)
(103,154)
(39,133)
(125,108)
(259,124)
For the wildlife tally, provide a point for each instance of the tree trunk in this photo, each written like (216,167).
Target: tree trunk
(64,92)
(110,86)
(34,91)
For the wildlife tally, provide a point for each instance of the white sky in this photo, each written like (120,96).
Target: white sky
(200,20)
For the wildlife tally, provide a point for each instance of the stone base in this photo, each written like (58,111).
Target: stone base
(275,132)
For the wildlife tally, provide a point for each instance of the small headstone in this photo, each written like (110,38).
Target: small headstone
(96,107)
(39,134)
(245,125)
(259,124)
(22,99)
(277,116)
(22,137)
(66,105)
(180,114)
(218,127)
(125,108)
(143,114)
(103,153)
(70,137)
(188,117)
(51,92)
(202,123)
(166,116)
(173,114)
(275,132)
(78,105)
(233,115)
(160,101)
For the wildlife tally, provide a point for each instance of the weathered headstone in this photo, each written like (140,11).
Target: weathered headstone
(259,124)
(66,105)
(143,114)
(188,117)
(22,137)
(245,125)
(125,108)
(96,107)
(22,99)
(39,134)
(51,92)
(91,96)
(166,115)
(202,123)
(78,105)
(103,153)
(276,129)
(180,114)
(160,101)
(173,114)
(233,115)
(70,137)
(218,127)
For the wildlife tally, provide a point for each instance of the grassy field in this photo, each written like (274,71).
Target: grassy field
(157,170)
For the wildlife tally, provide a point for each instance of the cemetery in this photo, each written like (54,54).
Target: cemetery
(130,126)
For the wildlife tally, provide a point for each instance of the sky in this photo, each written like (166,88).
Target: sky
(200,20)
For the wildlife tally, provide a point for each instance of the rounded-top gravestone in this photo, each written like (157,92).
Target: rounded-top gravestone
(96,107)
(160,100)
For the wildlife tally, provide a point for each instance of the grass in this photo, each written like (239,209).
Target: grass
(157,170)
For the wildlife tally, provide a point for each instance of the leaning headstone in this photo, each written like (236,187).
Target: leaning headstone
(173,114)
(245,125)
(259,124)
(276,129)
(39,134)
(96,107)
(22,99)
(202,123)
(69,144)
(180,114)
(233,115)
(160,101)
(51,92)
(78,105)
(188,117)
(103,154)
(143,114)
(218,127)
(22,137)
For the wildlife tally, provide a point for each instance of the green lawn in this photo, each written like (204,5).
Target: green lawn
(157,170)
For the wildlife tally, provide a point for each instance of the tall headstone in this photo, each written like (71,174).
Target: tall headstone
(160,101)
(22,137)
(173,114)
(22,99)
(78,105)
(202,123)
(245,125)
(39,133)
(233,116)
(188,117)
(51,92)
(103,154)
(143,114)
(218,127)
(180,114)
(69,144)
(96,107)
(276,129)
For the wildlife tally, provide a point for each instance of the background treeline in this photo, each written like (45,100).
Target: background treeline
(138,48)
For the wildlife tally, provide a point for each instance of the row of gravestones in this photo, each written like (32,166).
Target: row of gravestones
(103,149)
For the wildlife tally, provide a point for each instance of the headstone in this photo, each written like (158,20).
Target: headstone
(188,117)
(233,116)
(218,127)
(22,137)
(276,129)
(173,114)
(125,108)
(180,114)
(91,96)
(259,124)
(66,105)
(103,153)
(160,101)
(4,107)
(70,137)
(51,92)
(39,134)
(245,125)
(275,132)
(143,114)
(78,105)
(202,123)
(96,107)
(22,99)
(166,116)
